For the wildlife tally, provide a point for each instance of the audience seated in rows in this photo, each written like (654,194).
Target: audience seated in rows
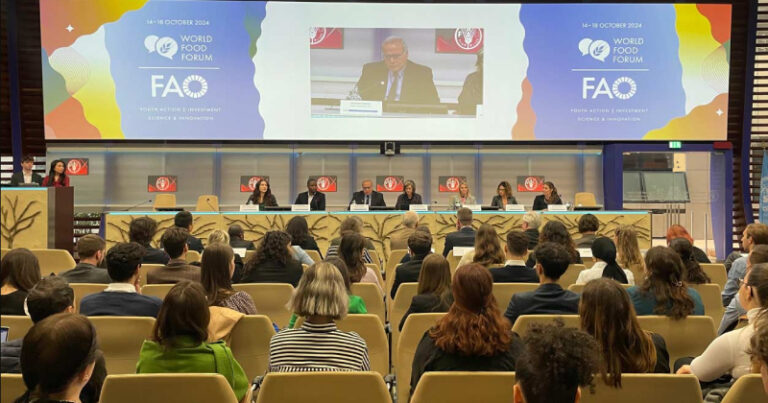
(91,249)
(273,261)
(178,343)
(217,268)
(59,361)
(678,231)
(473,335)
(121,297)
(419,247)
(604,253)
(693,271)
(555,231)
(237,238)
(422,228)
(465,234)
(758,348)
(350,225)
(550,298)
(556,362)
(664,291)
(351,251)
(142,230)
(320,298)
(298,229)
(607,314)
(754,234)
(19,272)
(531,224)
(757,254)
(628,254)
(399,240)
(174,242)
(588,226)
(183,219)
(487,248)
(434,289)
(515,270)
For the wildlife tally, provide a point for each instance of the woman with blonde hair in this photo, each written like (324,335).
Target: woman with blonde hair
(488,250)
(628,254)
(463,197)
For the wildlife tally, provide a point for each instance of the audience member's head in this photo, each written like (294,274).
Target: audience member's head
(531,220)
(552,260)
(142,230)
(58,355)
(351,252)
(588,224)
(275,246)
(184,313)
(321,293)
(678,231)
(174,242)
(235,231)
(665,280)
(694,274)
(218,236)
(464,217)
(555,363)
(604,249)
(410,219)
(607,313)
(488,249)
(51,295)
(351,224)
(19,269)
(755,234)
(339,264)
(183,219)
(473,325)
(424,228)
(758,254)
(555,231)
(517,244)
(298,229)
(627,247)
(435,276)
(758,349)
(216,268)
(91,247)
(753,292)
(420,243)
(123,261)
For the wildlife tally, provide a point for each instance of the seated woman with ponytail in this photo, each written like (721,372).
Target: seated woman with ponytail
(694,274)
(473,335)
(604,252)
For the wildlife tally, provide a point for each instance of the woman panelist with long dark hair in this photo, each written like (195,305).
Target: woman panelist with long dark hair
(262,195)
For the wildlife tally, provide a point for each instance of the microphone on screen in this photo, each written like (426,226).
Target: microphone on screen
(356,91)
(138,204)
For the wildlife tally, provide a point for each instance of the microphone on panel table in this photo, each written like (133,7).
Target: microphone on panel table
(208,201)
(138,204)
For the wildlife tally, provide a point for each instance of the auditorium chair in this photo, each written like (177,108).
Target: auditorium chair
(53,261)
(453,261)
(18,325)
(313,254)
(524,321)
(207,203)
(156,290)
(371,295)
(748,388)
(144,269)
(462,387)
(400,305)
(643,388)
(584,199)
(413,331)
(83,289)
(164,388)
(193,256)
(579,288)
(12,387)
(249,342)
(375,257)
(377,270)
(712,299)
(164,200)
(687,337)
(271,299)
(393,260)
(120,339)
(336,387)
(570,275)
(503,292)
(588,261)
(248,255)
(716,272)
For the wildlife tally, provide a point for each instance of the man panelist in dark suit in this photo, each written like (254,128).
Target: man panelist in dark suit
(315,199)
(26,176)
(396,78)
(368,196)
(465,236)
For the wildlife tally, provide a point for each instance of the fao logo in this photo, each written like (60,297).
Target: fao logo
(74,166)
(452,184)
(317,35)
(531,183)
(468,38)
(323,183)
(162,183)
(390,183)
(253,181)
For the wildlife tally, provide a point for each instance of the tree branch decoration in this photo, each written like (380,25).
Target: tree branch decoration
(380,231)
(17,222)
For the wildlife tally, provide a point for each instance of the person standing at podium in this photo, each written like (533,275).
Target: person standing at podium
(262,195)
(57,176)
(368,196)
(408,197)
(315,199)
(549,196)
(26,176)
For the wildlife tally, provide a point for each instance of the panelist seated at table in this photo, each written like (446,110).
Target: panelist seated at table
(549,196)
(368,196)
(408,197)
(26,177)
(262,195)
(57,176)
(315,199)
(463,197)
(503,196)
(396,78)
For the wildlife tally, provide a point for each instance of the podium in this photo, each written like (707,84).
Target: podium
(37,217)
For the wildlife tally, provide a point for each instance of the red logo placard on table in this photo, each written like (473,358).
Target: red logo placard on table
(459,40)
(76,166)
(326,38)
(450,183)
(530,183)
(248,183)
(325,183)
(162,183)
(389,183)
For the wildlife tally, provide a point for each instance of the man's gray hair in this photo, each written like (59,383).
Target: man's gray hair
(410,219)
(533,219)
(392,39)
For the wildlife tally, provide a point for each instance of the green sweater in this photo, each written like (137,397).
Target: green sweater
(356,305)
(190,357)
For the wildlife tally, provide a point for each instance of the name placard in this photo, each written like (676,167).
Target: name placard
(515,207)
(360,108)
(557,207)
(474,207)
(249,207)
(585,252)
(299,207)
(462,250)
(418,207)
(239,251)
(359,207)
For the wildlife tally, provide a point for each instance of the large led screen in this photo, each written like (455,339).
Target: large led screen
(227,70)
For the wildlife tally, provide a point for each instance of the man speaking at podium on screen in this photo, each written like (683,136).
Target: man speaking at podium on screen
(397,79)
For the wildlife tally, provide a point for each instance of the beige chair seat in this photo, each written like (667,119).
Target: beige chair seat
(321,387)
(166,388)
(462,387)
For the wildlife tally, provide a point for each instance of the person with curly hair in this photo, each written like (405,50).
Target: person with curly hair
(273,262)
(555,364)
(555,231)
(487,250)
(473,335)
(693,271)
(141,230)
(628,254)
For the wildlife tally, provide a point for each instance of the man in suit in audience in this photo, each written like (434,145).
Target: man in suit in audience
(531,224)
(399,240)
(122,298)
(175,244)
(141,230)
(236,238)
(368,196)
(90,249)
(588,226)
(315,199)
(514,270)
(419,246)
(26,176)
(184,220)
(465,236)
(552,260)
(396,78)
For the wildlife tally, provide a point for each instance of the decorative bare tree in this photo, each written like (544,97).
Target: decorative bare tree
(15,221)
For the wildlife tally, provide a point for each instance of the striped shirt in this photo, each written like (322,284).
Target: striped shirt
(317,347)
